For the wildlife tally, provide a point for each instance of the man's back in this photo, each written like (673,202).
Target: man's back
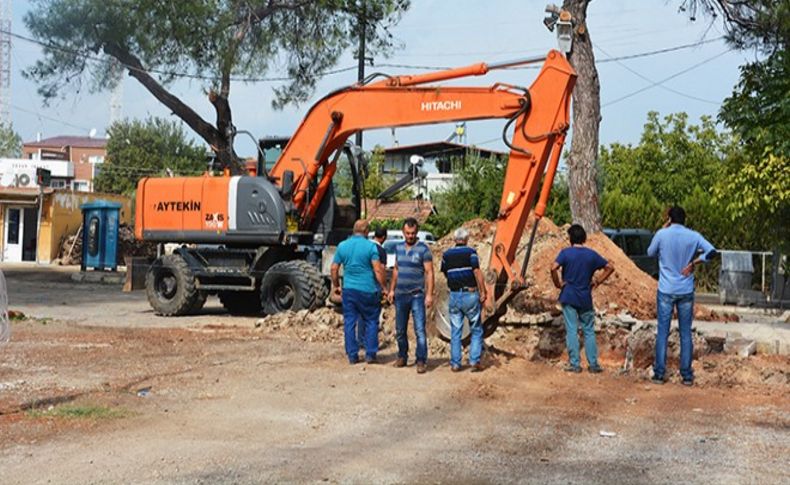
(578,265)
(676,246)
(356,255)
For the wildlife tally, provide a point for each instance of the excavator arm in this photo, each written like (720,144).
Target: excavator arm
(538,116)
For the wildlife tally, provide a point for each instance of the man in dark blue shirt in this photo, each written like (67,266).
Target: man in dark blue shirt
(578,264)
(461,266)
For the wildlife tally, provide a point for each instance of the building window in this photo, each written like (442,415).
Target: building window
(58,184)
(81,186)
(94,159)
(96,170)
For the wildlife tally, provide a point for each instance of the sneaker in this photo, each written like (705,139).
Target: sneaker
(401,362)
(688,382)
(421,367)
(657,380)
(477,367)
(371,359)
(570,368)
(353,360)
(455,368)
(595,370)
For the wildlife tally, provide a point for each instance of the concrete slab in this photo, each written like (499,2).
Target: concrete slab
(769,337)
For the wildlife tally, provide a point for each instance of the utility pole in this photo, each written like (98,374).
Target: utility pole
(5,61)
(361,56)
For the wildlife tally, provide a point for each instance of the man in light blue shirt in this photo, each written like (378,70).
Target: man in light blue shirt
(678,249)
(363,279)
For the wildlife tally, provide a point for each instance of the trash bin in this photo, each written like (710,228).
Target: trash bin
(100,235)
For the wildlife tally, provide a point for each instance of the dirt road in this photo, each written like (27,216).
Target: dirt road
(213,403)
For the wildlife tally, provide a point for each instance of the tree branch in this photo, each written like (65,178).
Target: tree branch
(211,135)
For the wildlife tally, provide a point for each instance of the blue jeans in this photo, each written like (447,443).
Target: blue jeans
(572,316)
(665,303)
(361,308)
(414,304)
(465,304)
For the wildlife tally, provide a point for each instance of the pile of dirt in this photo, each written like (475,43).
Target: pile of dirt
(71,247)
(629,289)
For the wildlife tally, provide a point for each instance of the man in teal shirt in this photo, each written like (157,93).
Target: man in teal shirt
(361,295)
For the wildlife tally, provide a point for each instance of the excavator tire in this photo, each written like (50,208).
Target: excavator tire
(321,291)
(241,302)
(171,286)
(202,296)
(441,320)
(289,285)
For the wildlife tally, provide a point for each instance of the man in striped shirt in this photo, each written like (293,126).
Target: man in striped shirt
(461,266)
(411,290)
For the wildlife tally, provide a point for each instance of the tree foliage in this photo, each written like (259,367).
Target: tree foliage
(10,141)
(679,163)
(476,192)
(152,148)
(756,183)
(215,42)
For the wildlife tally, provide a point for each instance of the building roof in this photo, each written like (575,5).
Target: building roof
(68,141)
(23,192)
(439,147)
(419,209)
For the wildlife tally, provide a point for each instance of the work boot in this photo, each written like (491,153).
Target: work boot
(477,367)
(570,368)
(657,380)
(421,367)
(455,368)
(401,362)
(595,370)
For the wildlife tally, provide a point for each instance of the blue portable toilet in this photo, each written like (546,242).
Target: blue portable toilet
(100,234)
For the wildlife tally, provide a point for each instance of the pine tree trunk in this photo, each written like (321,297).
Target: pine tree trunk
(583,158)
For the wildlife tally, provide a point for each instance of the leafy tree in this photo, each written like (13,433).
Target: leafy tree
(155,147)
(476,192)
(677,163)
(10,141)
(214,41)
(756,183)
(375,182)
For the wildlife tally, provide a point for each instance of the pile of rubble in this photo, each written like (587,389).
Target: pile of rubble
(629,289)
(71,247)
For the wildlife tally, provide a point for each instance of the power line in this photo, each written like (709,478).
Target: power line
(175,74)
(35,113)
(673,76)
(675,91)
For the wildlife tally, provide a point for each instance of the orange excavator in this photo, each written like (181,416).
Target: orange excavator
(258,241)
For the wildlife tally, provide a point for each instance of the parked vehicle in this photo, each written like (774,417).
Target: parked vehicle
(634,243)
(397,235)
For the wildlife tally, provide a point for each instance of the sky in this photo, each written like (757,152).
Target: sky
(446,33)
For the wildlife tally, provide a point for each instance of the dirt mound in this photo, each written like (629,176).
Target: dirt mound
(628,289)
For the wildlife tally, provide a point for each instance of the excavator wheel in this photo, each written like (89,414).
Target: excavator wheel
(441,320)
(290,285)
(321,290)
(241,302)
(171,286)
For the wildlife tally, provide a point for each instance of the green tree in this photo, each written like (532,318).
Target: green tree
(755,184)
(152,148)
(677,163)
(214,41)
(10,141)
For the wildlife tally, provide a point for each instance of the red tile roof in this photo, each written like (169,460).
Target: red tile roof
(68,141)
(420,210)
